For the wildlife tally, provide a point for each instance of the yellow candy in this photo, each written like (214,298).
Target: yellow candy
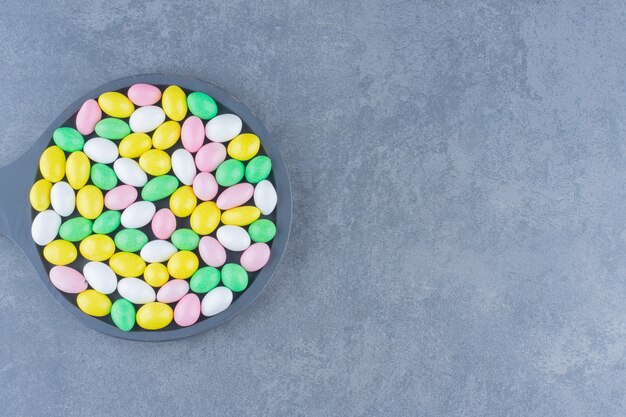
(205,218)
(156,275)
(241,216)
(155,162)
(183,201)
(89,201)
(244,146)
(174,102)
(127,264)
(94,303)
(97,247)
(166,135)
(154,316)
(135,145)
(52,164)
(116,104)
(182,264)
(77,169)
(40,195)
(60,252)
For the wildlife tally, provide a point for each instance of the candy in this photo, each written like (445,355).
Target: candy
(211,251)
(262,230)
(192,134)
(146,119)
(138,214)
(60,252)
(144,94)
(204,186)
(235,196)
(163,223)
(205,218)
(183,166)
(166,135)
(234,277)
(52,164)
(45,227)
(255,257)
(136,290)
(103,177)
(97,248)
(185,239)
(244,146)
(77,168)
(129,172)
(201,105)
(265,197)
(111,128)
(216,301)
(230,172)
(76,229)
(101,150)
(223,128)
(159,188)
(135,145)
(157,251)
(173,291)
(154,316)
(62,198)
(156,274)
(155,162)
(68,139)
(87,117)
(174,103)
(130,240)
(234,238)
(123,314)
(100,277)
(40,195)
(205,279)
(187,311)
(67,279)
(183,201)
(116,104)
(89,202)
(182,264)
(127,264)
(107,222)
(241,216)
(258,169)
(210,156)
(94,303)
(120,197)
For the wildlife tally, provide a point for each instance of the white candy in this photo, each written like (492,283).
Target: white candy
(216,301)
(184,166)
(138,214)
(146,119)
(223,128)
(157,251)
(265,197)
(100,277)
(63,199)
(234,238)
(136,290)
(45,227)
(129,172)
(101,150)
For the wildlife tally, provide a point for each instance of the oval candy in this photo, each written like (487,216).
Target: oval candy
(100,277)
(235,196)
(183,201)
(135,145)
(111,128)
(216,301)
(205,279)
(258,169)
(202,105)
(173,291)
(97,248)
(60,252)
(174,102)
(265,197)
(87,117)
(185,239)
(233,238)
(107,222)
(212,252)
(128,265)
(183,166)
(45,227)
(103,177)
(210,156)
(255,257)
(138,214)
(163,223)
(244,147)
(223,128)
(129,172)
(144,94)
(154,316)
(187,311)
(156,275)
(89,202)
(205,218)
(77,168)
(230,172)
(52,164)
(192,134)
(68,139)
(67,279)
(116,104)
(94,303)
(130,240)
(136,290)
(40,194)
(157,251)
(234,277)
(146,119)
(123,314)
(159,188)
(204,186)
(262,230)
(62,198)
(120,197)
(75,229)
(155,162)
(166,135)
(241,216)
(182,264)
(101,150)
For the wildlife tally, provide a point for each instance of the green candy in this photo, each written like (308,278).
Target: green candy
(130,240)
(112,128)
(123,314)
(68,139)
(159,188)
(103,177)
(262,230)
(229,172)
(205,279)
(234,277)
(258,169)
(76,229)
(201,105)
(185,239)
(107,222)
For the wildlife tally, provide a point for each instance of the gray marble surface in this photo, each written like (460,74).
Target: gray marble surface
(459,238)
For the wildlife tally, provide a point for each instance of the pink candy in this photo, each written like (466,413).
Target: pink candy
(192,134)
(255,257)
(212,252)
(173,291)
(163,223)
(204,186)
(210,156)
(144,94)
(235,196)
(120,197)
(88,116)
(187,310)
(68,279)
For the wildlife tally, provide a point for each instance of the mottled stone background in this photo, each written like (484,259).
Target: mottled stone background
(459,182)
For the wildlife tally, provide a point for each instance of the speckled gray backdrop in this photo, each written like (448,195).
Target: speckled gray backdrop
(459,181)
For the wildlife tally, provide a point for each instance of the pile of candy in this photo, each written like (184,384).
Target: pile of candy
(169,204)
